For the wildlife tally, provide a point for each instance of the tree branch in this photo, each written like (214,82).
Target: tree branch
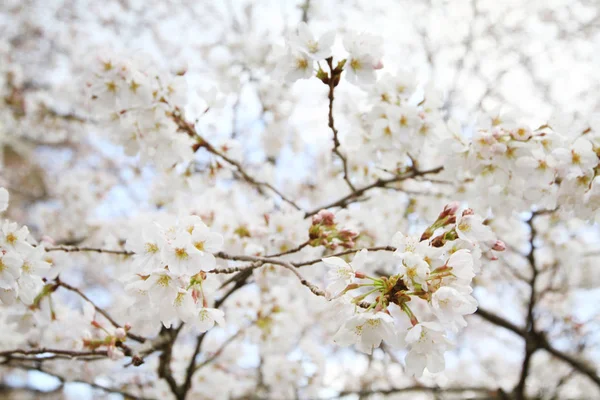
(380,183)
(332,82)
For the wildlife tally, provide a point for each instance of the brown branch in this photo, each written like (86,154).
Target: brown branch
(541,342)
(101,311)
(89,249)
(294,250)
(343,253)
(164,361)
(530,345)
(68,353)
(380,183)
(203,143)
(332,82)
(489,393)
(91,384)
(287,265)
(305,7)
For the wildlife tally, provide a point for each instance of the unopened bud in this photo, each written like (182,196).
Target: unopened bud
(468,211)
(348,234)
(499,246)
(327,217)
(360,275)
(450,209)
(127,327)
(120,333)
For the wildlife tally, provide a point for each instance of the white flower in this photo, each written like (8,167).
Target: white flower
(578,160)
(540,163)
(207,317)
(3,199)
(10,270)
(296,65)
(367,330)
(428,343)
(407,244)
(206,242)
(415,270)
(470,227)
(33,267)
(341,273)
(181,256)
(363,59)
(449,305)
(12,236)
(184,305)
(305,42)
(461,263)
(148,247)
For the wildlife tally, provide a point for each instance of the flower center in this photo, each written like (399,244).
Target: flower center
(181,253)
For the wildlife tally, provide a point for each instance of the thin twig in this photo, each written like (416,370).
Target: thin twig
(75,249)
(100,310)
(203,143)
(380,183)
(331,123)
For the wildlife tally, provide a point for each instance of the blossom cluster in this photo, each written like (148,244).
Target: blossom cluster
(555,165)
(22,263)
(168,270)
(303,50)
(137,103)
(324,231)
(427,294)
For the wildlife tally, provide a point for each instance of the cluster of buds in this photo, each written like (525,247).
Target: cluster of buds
(446,217)
(325,232)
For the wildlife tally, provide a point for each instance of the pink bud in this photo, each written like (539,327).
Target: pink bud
(468,211)
(317,219)
(450,209)
(348,234)
(360,275)
(127,327)
(120,333)
(499,246)
(327,217)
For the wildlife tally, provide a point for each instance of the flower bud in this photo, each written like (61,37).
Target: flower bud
(499,246)
(468,211)
(120,333)
(450,209)
(348,234)
(327,217)
(317,219)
